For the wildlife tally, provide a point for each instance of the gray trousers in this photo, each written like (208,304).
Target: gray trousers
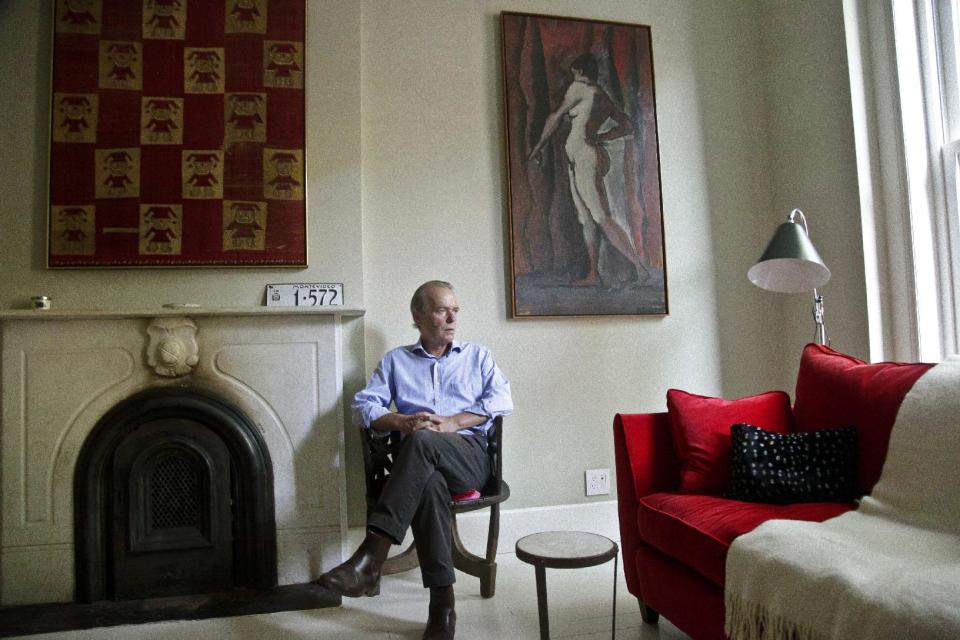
(429,467)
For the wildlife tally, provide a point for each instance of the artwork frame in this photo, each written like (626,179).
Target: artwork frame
(177,134)
(583,165)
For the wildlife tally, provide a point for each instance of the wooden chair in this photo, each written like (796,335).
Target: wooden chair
(378,456)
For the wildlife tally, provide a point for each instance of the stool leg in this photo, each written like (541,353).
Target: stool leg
(542,603)
(613,631)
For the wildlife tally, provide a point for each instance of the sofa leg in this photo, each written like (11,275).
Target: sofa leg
(648,614)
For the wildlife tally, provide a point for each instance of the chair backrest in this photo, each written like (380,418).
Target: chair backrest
(379,452)
(494,447)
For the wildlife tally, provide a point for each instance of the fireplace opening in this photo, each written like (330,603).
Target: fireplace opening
(173,495)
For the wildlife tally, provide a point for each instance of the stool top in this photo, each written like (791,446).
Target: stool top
(565,549)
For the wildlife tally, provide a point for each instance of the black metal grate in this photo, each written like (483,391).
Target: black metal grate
(175,493)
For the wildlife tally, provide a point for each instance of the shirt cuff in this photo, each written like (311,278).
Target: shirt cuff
(364,416)
(493,407)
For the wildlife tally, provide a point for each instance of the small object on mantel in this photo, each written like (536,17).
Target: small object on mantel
(41,303)
(181,305)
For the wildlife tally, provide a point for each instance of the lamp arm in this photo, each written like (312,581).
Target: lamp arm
(803,220)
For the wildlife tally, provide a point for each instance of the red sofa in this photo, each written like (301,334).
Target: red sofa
(675,524)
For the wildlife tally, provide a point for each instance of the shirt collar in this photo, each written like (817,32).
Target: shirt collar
(456,345)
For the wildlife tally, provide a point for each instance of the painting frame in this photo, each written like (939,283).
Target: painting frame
(177,134)
(584,189)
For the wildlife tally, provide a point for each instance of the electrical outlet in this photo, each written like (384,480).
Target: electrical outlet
(597,481)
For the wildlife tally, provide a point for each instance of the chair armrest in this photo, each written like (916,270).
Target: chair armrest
(495,449)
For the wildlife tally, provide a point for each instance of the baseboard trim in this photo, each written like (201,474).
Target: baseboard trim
(596,517)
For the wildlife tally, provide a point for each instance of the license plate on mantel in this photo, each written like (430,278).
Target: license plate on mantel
(305,294)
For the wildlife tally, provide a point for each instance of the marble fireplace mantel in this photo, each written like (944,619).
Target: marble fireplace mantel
(174,309)
(62,370)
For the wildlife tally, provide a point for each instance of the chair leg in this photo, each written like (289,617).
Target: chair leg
(493,533)
(488,583)
(401,562)
(483,568)
(648,614)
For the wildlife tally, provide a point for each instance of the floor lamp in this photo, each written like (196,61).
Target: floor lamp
(791,264)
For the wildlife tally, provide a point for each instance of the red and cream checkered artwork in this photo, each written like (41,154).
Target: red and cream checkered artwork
(177,133)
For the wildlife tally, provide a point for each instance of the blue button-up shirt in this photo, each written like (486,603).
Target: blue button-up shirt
(465,378)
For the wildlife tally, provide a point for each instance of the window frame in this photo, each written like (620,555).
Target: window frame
(945,18)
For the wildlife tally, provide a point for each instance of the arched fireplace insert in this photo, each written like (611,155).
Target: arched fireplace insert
(173,495)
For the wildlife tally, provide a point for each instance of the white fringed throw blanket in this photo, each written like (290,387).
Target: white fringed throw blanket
(891,569)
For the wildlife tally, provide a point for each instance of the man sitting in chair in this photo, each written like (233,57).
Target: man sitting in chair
(446,394)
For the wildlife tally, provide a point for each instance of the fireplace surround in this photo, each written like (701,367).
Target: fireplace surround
(101,409)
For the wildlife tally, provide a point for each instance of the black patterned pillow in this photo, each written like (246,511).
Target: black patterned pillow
(812,466)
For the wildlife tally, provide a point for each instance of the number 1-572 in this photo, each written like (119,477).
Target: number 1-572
(315,297)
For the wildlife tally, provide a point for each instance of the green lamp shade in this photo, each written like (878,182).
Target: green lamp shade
(790,264)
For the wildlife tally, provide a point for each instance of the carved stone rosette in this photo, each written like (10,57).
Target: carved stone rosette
(173,349)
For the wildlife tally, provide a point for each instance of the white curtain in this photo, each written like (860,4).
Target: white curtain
(908,193)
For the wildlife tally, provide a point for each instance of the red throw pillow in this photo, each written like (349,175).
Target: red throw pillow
(837,390)
(701,433)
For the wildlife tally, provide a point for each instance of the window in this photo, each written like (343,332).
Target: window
(905,90)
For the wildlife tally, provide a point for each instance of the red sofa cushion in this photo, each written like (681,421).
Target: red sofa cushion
(837,390)
(701,433)
(698,530)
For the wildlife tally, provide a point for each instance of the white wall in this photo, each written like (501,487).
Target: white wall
(407,182)
(813,166)
(434,207)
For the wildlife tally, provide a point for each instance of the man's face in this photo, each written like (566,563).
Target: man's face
(438,320)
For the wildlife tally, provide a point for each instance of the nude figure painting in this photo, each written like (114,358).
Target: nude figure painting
(586,221)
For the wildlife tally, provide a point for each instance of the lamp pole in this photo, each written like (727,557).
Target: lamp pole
(821,328)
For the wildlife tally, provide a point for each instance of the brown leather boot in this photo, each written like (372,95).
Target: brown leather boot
(360,575)
(442,623)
